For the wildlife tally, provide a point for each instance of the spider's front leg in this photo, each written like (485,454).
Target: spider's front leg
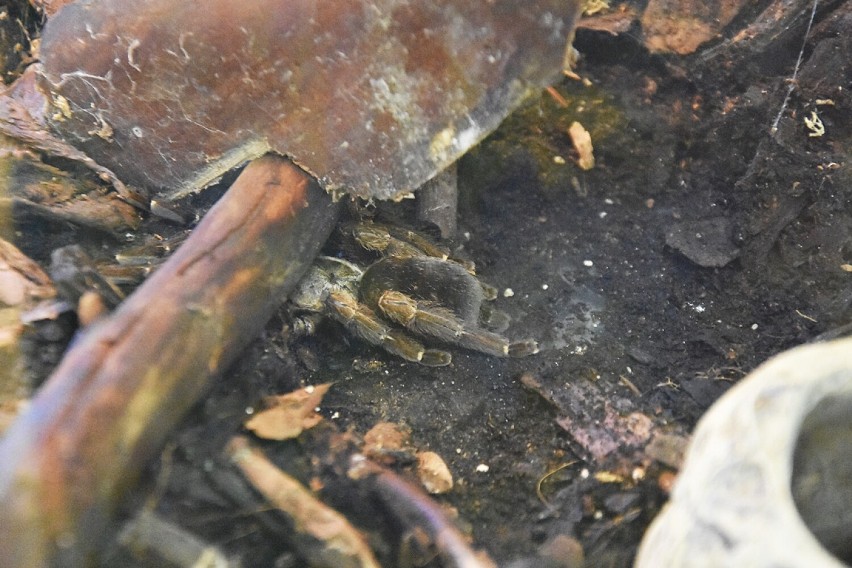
(436,298)
(394,241)
(432,319)
(363,322)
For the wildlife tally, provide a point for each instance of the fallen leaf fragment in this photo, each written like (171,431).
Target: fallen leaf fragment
(434,473)
(601,435)
(582,141)
(385,440)
(22,281)
(342,546)
(288,415)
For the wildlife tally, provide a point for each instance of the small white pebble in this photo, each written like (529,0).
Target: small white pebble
(335,416)
(508,293)
(584,473)
(249,410)
(309,389)
(482,468)
(588,263)
(753,326)
(608,201)
(558,160)
(545,286)
(602,214)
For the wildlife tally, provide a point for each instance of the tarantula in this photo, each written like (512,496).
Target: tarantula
(413,284)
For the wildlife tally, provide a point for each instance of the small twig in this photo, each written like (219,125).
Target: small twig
(171,543)
(630,385)
(806,316)
(538,491)
(413,507)
(668,383)
(557,96)
(340,544)
(67,460)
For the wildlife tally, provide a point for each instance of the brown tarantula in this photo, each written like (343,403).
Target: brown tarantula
(413,284)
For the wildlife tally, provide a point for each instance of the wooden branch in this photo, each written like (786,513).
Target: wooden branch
(105,411)
(321,535)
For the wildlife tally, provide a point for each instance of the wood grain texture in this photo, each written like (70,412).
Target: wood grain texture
(122,387)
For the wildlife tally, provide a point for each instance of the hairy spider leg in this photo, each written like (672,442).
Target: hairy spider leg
(423,243)
(405,243)
(363,322)
(430,319)
(422,317)
(377,238)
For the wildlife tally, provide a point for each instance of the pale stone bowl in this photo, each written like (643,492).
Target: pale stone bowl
(767,480)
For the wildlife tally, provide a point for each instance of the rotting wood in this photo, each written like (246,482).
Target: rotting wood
(65,463)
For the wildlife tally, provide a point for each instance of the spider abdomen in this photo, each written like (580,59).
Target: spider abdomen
(427,279)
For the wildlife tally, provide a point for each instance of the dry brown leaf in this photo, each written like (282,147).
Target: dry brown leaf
(286,416)
(434,473)
(22,281)
(385,440)
(582,141)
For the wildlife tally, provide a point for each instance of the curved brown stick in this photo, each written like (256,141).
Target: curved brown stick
(121,389)
(414,509)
